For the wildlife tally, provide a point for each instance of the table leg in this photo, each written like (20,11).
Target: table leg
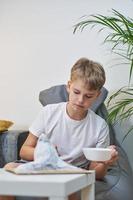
(58,198)
(88,193)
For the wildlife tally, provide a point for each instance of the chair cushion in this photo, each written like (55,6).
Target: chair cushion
(9,146)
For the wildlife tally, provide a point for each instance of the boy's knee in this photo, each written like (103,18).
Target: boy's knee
(7,198)
(75,196)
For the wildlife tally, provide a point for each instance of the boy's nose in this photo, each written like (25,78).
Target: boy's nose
(81,99)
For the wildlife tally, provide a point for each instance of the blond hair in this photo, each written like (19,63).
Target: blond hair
(92,73)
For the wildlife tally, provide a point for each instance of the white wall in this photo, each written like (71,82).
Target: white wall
(38,48)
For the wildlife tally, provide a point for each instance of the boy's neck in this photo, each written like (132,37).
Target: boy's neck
(74,114)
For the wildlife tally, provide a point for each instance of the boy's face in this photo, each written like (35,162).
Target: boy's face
(80,98)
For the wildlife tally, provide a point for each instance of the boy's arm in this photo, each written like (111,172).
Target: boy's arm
(102,167)
(27,149)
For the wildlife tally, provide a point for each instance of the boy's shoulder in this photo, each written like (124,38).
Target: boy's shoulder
(53,111)
(95,116)
(54,106)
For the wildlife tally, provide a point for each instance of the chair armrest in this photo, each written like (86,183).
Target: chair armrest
(10,144)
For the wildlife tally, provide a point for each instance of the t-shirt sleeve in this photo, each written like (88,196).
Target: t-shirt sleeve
(104,138)
(38,125)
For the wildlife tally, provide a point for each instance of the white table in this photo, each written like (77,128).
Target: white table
(56,187)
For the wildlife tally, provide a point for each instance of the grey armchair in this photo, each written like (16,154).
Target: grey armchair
(117,184)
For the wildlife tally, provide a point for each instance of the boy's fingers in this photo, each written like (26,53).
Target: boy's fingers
(11,165)
(112,147)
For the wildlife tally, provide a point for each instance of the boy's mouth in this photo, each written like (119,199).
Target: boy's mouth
(79,106)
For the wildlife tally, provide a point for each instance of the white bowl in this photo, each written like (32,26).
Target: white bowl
(97,154)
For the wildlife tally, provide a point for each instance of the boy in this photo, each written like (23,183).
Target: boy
(71,125)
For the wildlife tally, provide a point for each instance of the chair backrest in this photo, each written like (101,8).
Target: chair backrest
(59,93)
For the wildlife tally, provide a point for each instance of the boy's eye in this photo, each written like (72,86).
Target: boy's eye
(76,92)
(89,97)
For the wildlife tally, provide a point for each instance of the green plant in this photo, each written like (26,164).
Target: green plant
(120,36)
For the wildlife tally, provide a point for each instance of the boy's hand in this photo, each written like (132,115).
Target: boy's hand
(11,165)
(102,167)
(114,156)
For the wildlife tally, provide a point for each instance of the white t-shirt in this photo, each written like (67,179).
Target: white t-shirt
(69,135)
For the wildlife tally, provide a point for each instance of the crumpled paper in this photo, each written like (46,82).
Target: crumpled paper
(45,157)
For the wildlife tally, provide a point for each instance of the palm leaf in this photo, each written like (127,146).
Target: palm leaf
(122,108)
(129,131)
(121,33)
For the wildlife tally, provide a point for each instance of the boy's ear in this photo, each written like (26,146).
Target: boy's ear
(99,92)
(68,86)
